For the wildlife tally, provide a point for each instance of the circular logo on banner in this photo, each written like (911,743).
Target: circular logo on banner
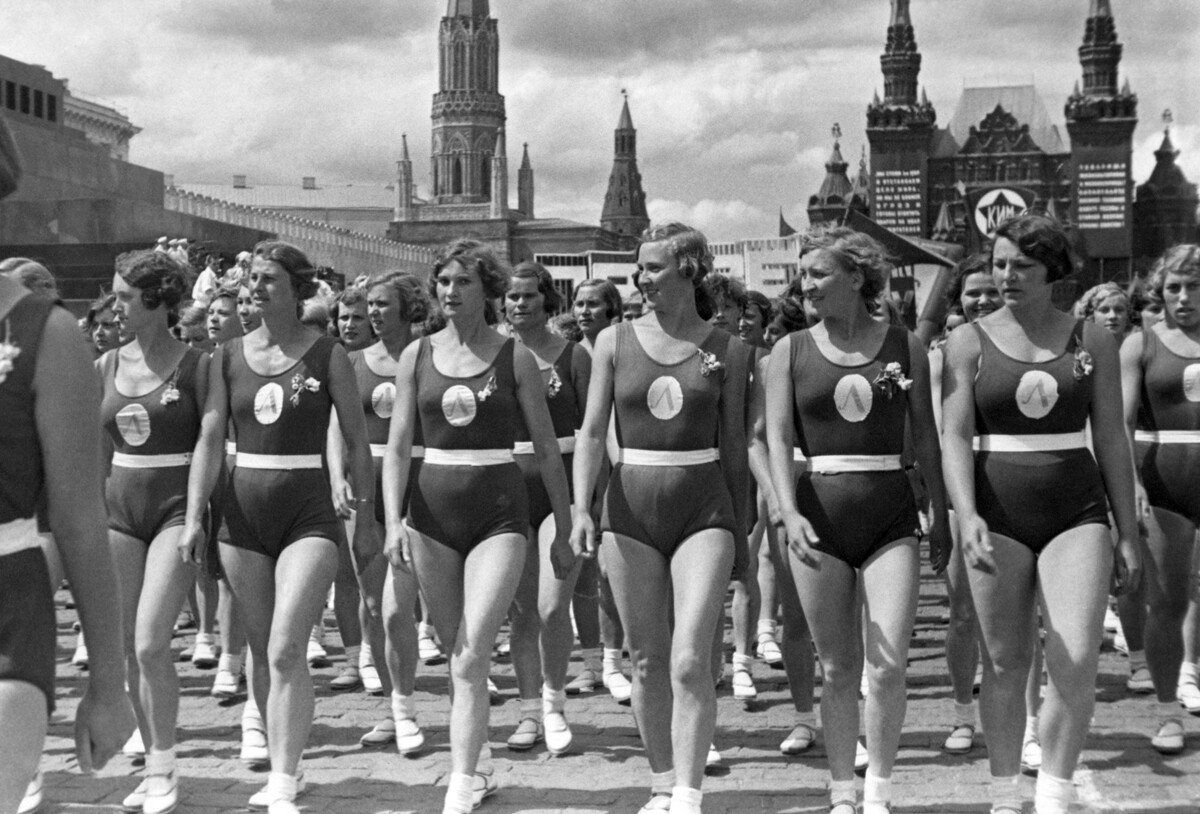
(383,398)
(133,422)
(458,405)
(268,403)
(995,206)
(1037,393)
(1191,382)
(853,398)
(664,398)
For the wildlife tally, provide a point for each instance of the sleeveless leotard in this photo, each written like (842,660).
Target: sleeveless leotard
(1170,403)
(282,415)
(1032,497)
(563,400)
(144,497)
(378,396)
(667,408)
(461,505)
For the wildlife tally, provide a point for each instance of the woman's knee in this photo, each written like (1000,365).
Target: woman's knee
(692,668)
(285,655)
(469,667)
(152,647)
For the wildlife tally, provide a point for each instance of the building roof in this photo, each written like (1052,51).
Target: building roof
(626,121)
(555,223)
(1022,101)
(294,196)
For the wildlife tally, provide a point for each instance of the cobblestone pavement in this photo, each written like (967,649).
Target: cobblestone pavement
(607,771)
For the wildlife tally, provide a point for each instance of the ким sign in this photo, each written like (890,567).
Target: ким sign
(992,206)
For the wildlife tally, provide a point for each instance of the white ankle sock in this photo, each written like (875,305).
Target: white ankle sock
(531,708)
(685,800)
(403,707)
(742,661)
(592,659)
(877,793)
(160,762)
(1006,792)
(964,714)
(1189,670)
(612,661)
(1137,660)
(459,794)
(766,626)
(282,785)
(1052,795)
(553,700)
(842,791)
(353,654)
(662,782)
(1031,727)
(365,656)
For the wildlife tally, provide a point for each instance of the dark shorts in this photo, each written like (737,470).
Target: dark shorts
(1171,475)
(1033,497)
(856,514)
(142,503)
(662,506)
(461,506)
(268,509)
(27,630)
(539,499)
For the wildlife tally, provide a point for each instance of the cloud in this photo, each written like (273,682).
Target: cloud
(719,219)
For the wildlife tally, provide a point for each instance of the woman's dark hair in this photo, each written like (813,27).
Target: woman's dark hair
(552,301)
(608,293)
(761,303)
(566,326)
(1183,259)
(979,263)
(293,261)
(482,258)
(692,256)
(789,308)
(225,292)
(855,251)
(161,279)
(727,288)
(1043,239)
(190,317)
(414,303)
(99,305)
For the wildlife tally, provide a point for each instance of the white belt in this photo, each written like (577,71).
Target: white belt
(566,445)
(1049,442)
(468,457)
(833,464)
(377,451)
(127,461)
(231,447)
(1167,436)
(655,457)
(249,460)
(18,535)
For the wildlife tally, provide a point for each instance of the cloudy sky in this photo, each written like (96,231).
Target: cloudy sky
(733,99)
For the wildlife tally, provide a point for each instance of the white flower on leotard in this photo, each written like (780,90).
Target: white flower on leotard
(300,384)
(170,394)
(8,352)
(709,363)
(1083,364)
(488,389)
(554,385)
(892,378)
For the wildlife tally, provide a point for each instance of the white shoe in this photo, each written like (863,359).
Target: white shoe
(558,733)
(768,650)
(493,691)
(503,649)
(743,686)
(204,652)
(586,681)
(265,798)
(347,678)
(317,657)
(862,759)
(80,657)
(619,687)
(798,740)
(410,740)
(1139,681)
(134,746)
(254,743)
(136,798)
(485,787)
(1031,755)
(370,679)
(34,796)
(1189,695)
(658,802)
(1119,642)
(1169,738)
(1112,622)
(713,758)
(380,736)
(427,647)
(225,685)
(161,793)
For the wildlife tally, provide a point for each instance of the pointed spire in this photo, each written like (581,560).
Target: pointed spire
(785,228)
(900,15)
(468,8)
(626,121)
(1125,89)
(525,165)
(924,97)
(624,212)
(500,147)
(1100,8)
(875,101)
(404,147)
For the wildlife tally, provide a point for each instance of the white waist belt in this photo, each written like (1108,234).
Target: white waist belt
(833,464)
(18,535)
(377,451)
(151,461)
(1050,442)
(249,460)
(566,445)
(468,457)
(1167,436)
(231,447)
(655,457)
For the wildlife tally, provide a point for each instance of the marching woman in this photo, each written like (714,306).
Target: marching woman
(278,385)
(541,636)
(394,303)
(674,511)
(1020,386)
(1160,378)
(468,387)
(154,392)
(842,392)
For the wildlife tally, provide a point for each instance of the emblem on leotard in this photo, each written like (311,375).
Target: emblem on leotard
(383,398)
(853,397)
(664,398)
(1191,382)
(268,403)
(1037,394)
(133,422)
(459,406)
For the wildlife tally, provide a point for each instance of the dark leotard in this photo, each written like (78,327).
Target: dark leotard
(461,505)
(378,395)
(145,493)
(1170,403)
(1032,497)
(282,415)
(563,401)
(667,408)
(840,410)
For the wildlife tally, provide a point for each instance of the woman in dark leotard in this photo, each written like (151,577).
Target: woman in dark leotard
(843,392)
(468,386)
(1020,385)
(1160,377)
(154,390)
(279,384)
(674,511)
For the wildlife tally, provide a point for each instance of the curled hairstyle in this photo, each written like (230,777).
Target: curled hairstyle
(293,261)
(978,263)
(1086,307)
(759,302)
(552,301)
(854,252)
(414,303)
(728,289)
(226,292)
(191,317)
(1042,239)
(99,305)
(692,256)
(789,309)
(161,279)
(482,259)
(608,292)
(1183,260)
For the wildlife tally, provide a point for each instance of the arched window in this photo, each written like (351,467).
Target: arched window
(485,173)
(457,176)
(437,189)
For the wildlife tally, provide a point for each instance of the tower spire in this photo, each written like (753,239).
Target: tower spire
(525,185)
(404,183)
(900,15)
(625,202)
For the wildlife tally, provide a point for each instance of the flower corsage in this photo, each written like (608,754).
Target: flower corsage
(892,378)
(1083,364)
(488,388)
(300,384)
(709,363)
(8,352)
(554,385)
(170,393)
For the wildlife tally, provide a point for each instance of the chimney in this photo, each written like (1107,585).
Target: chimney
(239,182)
(309,182)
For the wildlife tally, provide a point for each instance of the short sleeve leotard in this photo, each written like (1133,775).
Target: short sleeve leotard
(27,627)
(841,410)
(667,409)
(1168,447)
(462,504)
(378,395)
(563,400)
(275,498)
(153,436)
(1034,496)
